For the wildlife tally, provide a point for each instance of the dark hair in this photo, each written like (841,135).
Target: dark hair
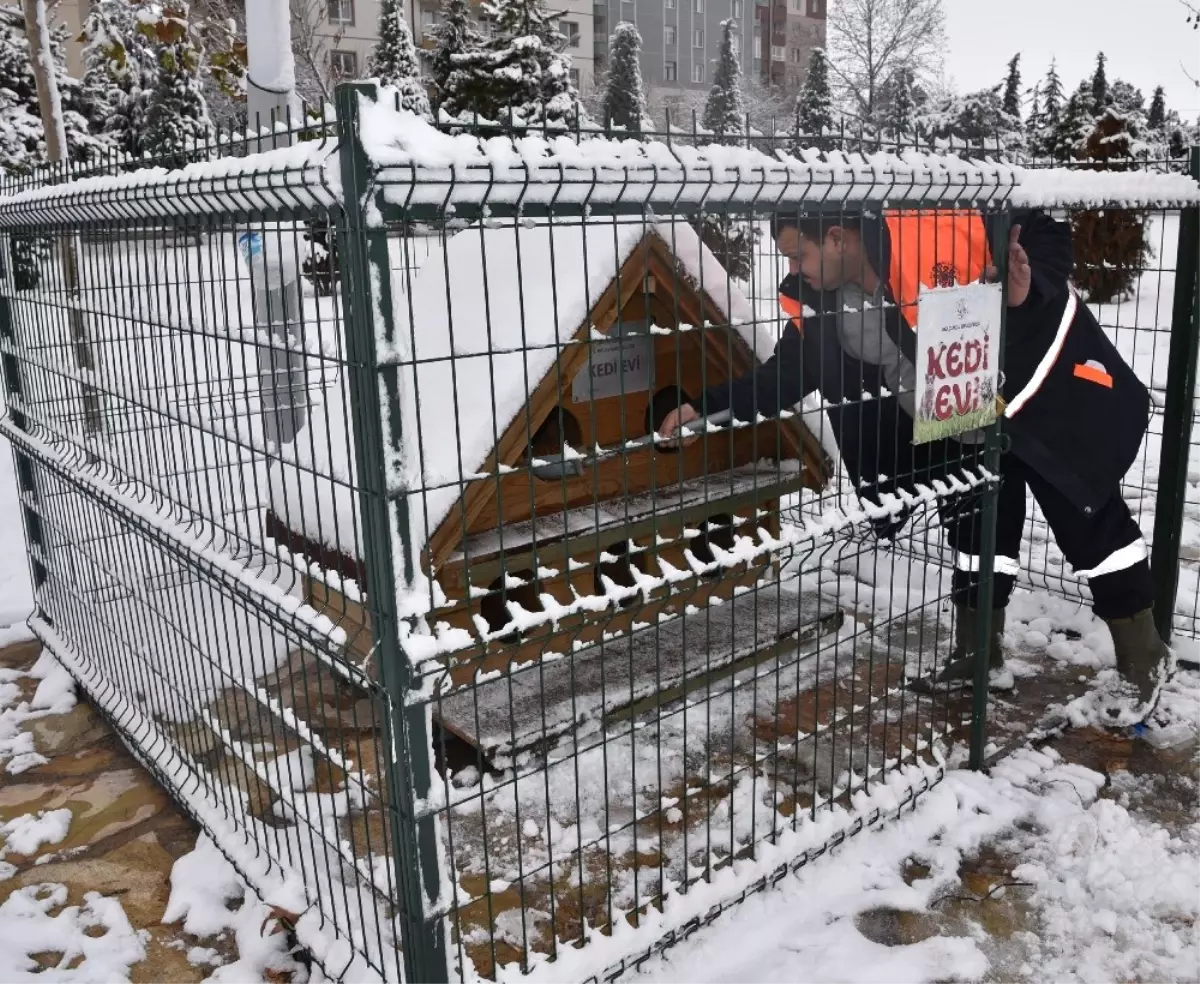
(813,225)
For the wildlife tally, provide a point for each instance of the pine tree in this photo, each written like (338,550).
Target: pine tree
(982,122)
(899,104)
(394,59)
(1110,244)
(120,70)
(522,75)
(1012,88)
(455,88)
(177,114)
(1073,126)
(814,105)
(725,110)
(1157,116)
(1099,86)
(1044,123)
(624,101)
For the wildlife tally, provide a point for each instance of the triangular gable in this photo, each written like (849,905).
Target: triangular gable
(651,256)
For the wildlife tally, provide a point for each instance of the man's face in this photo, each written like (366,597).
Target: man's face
(820,264)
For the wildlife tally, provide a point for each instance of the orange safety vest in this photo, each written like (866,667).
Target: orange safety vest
(934,247)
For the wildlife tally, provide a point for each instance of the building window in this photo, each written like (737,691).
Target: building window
(736,8)
(798,6)
(797,55)
(698,6)
(344,64)
(428,21)
(571,30)
(697,39)
(814,8)
(697,73)
(669,4)
(669,34)
(670,72)
(575,75)
(341,11)
(778,52)
(757,46)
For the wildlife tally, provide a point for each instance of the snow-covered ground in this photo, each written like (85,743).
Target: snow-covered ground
(1114,894)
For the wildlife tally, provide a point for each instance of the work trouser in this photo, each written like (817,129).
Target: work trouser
(1105,547)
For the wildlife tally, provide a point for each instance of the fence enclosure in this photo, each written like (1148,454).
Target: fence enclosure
(347,503)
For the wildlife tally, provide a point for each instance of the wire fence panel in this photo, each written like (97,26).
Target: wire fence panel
(354,499)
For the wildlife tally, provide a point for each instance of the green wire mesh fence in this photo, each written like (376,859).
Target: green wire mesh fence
(348,502)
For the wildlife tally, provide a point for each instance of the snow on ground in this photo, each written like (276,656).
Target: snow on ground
(1116,897)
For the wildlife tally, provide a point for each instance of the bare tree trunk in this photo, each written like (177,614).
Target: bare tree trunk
(37,31)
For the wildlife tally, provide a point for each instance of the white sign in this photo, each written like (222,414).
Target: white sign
(958,354)
(615,366)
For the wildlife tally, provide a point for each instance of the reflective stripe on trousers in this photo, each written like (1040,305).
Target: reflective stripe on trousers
(1119,560)
(1048,360)
(1001,565)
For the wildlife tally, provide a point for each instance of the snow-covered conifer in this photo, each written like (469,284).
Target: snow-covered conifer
(177,114)
(1011,100)
(1157,116)
(725,110)
(814,105)
(394,59)
(456,88)
(119,73)
(1099,86)
(624,100)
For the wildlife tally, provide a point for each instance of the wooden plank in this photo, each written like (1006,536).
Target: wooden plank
(532,707)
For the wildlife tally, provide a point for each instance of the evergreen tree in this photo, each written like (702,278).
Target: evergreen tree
(120,70)
(522,75)
(814,105)
(1073,126)
(394,59)
(177,114)
(1099,86)
(624,101)
(1012,88)
(899,104)
(1110,244)
(456,43)
(1044,123)
(1129,101)
(1157,116)
(1177,143)
(982,122)
(725,110)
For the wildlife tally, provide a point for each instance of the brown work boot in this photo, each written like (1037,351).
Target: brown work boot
(1144,665)
(960,668)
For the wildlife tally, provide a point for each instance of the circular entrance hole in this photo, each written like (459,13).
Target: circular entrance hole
(662,403)
(558,431)
(619,570)
(494,606)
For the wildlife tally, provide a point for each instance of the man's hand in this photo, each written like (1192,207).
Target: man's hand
(1020,276)
(669,429)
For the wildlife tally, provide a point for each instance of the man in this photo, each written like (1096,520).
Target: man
(1074,412)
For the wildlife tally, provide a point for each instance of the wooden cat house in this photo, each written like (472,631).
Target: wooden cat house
(544,359)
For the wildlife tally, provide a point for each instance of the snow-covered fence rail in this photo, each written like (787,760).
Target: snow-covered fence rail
(352,498)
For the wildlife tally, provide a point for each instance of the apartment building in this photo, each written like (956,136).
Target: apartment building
(681,38)
(349,28)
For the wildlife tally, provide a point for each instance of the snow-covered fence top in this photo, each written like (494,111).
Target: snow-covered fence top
(301,178)
(419,164)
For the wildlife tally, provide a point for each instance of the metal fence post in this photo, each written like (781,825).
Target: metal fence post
(409,772)
(987,545)
(1177,415)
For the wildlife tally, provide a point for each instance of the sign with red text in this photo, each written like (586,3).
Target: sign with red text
(958,354)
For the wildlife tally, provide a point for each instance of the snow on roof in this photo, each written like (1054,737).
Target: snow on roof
(420,164)
(503,303)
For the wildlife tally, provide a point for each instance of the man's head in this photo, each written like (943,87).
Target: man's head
(825,250)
